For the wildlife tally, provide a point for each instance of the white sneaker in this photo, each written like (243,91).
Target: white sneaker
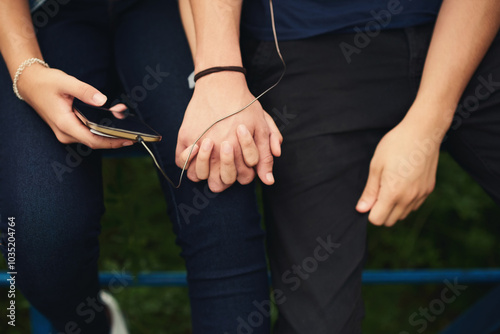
(118,325)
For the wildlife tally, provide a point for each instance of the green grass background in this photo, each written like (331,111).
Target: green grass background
(458,226)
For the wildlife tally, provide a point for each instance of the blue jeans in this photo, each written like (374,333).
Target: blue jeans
(55,190)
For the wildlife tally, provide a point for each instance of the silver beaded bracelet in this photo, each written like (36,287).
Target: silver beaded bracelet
(22,67)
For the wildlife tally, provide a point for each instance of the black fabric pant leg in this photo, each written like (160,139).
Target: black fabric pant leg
(332,115)
(474,137)
(316,239)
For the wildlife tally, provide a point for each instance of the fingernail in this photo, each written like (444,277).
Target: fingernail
(362,205)
(207,145)
(128,143)
(242,130)
(270,177)
(99,98)
(226,147)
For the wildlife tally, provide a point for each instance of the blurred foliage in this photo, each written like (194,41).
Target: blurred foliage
(457,227)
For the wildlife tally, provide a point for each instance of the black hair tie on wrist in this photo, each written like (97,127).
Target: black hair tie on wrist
(219,69)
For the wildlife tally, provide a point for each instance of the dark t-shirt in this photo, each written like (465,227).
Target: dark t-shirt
(296,19)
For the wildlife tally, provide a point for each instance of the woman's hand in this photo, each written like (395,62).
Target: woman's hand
(51,92)
(403,169)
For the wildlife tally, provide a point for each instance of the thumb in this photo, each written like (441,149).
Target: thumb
(84,92)
(264,167)
(276,137)
(188,153)
(370,193)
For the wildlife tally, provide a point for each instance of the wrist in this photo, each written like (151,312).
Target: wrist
(28,80)
(444,102)
(22,69)
(432,119)
(217,69)
(223,93)
(434,111)
(223,79)
(226,57)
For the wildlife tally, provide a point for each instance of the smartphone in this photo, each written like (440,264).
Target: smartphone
(102,122)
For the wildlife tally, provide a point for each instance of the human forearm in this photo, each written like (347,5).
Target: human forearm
(463,33)
(188,23)
(49,91)
(17,36)
(398,182)
(224,156)
(217,26)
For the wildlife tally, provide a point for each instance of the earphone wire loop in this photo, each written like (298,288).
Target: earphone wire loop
(140,140)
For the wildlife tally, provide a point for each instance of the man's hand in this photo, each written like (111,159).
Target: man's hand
(231,150)
(402,171)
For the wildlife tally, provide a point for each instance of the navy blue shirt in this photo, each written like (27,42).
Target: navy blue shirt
(296,19)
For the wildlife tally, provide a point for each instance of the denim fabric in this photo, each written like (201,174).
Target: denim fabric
(55,190)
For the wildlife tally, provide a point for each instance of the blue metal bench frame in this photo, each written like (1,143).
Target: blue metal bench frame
(491,302)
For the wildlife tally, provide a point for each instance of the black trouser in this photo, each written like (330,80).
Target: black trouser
(332,115)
